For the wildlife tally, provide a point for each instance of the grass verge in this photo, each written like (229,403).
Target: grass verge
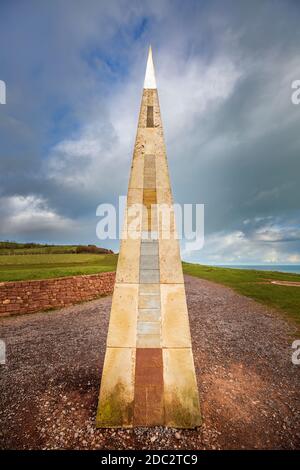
(46,266)
(254,284)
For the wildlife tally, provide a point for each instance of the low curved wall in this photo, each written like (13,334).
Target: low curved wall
(34,296)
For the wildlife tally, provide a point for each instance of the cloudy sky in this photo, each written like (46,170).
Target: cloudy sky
(74,72)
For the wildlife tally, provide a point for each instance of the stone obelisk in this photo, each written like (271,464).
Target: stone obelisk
(148,375)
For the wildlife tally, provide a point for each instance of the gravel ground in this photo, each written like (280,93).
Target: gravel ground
(249,388)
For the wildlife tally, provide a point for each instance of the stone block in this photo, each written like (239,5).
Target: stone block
(150,248)
(149,314)
(123,317)
(149,289)
(174,315)
(149,261)
(182,409)
(148,341)
(129,261)
(170,262)
(149,275)
(148,403)
(116,397)
(149,300)
(148,328)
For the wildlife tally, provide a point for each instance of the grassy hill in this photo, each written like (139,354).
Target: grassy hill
(45,266)
(254,284)
(25,261)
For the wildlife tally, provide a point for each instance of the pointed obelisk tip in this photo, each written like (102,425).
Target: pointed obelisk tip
(150,81)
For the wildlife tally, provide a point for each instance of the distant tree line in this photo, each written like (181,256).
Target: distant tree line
(14,248)
(92,249)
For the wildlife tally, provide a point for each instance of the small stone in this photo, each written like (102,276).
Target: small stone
(177,435)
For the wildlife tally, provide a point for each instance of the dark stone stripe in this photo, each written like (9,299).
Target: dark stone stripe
(148,389)
(149,199)
(150,119)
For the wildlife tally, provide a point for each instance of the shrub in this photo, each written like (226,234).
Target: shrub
(93,249)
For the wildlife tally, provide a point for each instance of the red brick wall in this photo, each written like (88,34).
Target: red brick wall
(33,296)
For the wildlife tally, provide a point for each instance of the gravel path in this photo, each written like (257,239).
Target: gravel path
(249,388)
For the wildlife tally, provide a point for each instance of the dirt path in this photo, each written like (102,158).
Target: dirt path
(285,283)
(249,387)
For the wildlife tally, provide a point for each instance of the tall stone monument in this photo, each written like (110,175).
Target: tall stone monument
(148,376)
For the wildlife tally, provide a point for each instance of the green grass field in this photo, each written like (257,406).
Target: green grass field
(44,266)
(253,284)
(44,262)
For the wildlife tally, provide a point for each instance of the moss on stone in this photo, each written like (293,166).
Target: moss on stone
(183,412)
(114,410)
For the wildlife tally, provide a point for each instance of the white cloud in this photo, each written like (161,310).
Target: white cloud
(189,88)
(30,214)
(295,258)
(263,240)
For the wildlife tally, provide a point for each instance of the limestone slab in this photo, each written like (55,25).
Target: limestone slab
(149,182)
(131,234)
(134,196)
(123,316)
(149,275)
(149,261)
(147,222)
(149,300)
(170,262)
(151,225)
(149,140)
(182,409)
(129,261)
(150,289)
(149,314)
(166,220)
(149,161)
(148,341)
(132,221)
(149,173)
(148,328)
(167,235)
(149,248)
(174,315)
(162,178)
(149,236)
(115,408)
(164,196)
(137,173)
(149,197)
